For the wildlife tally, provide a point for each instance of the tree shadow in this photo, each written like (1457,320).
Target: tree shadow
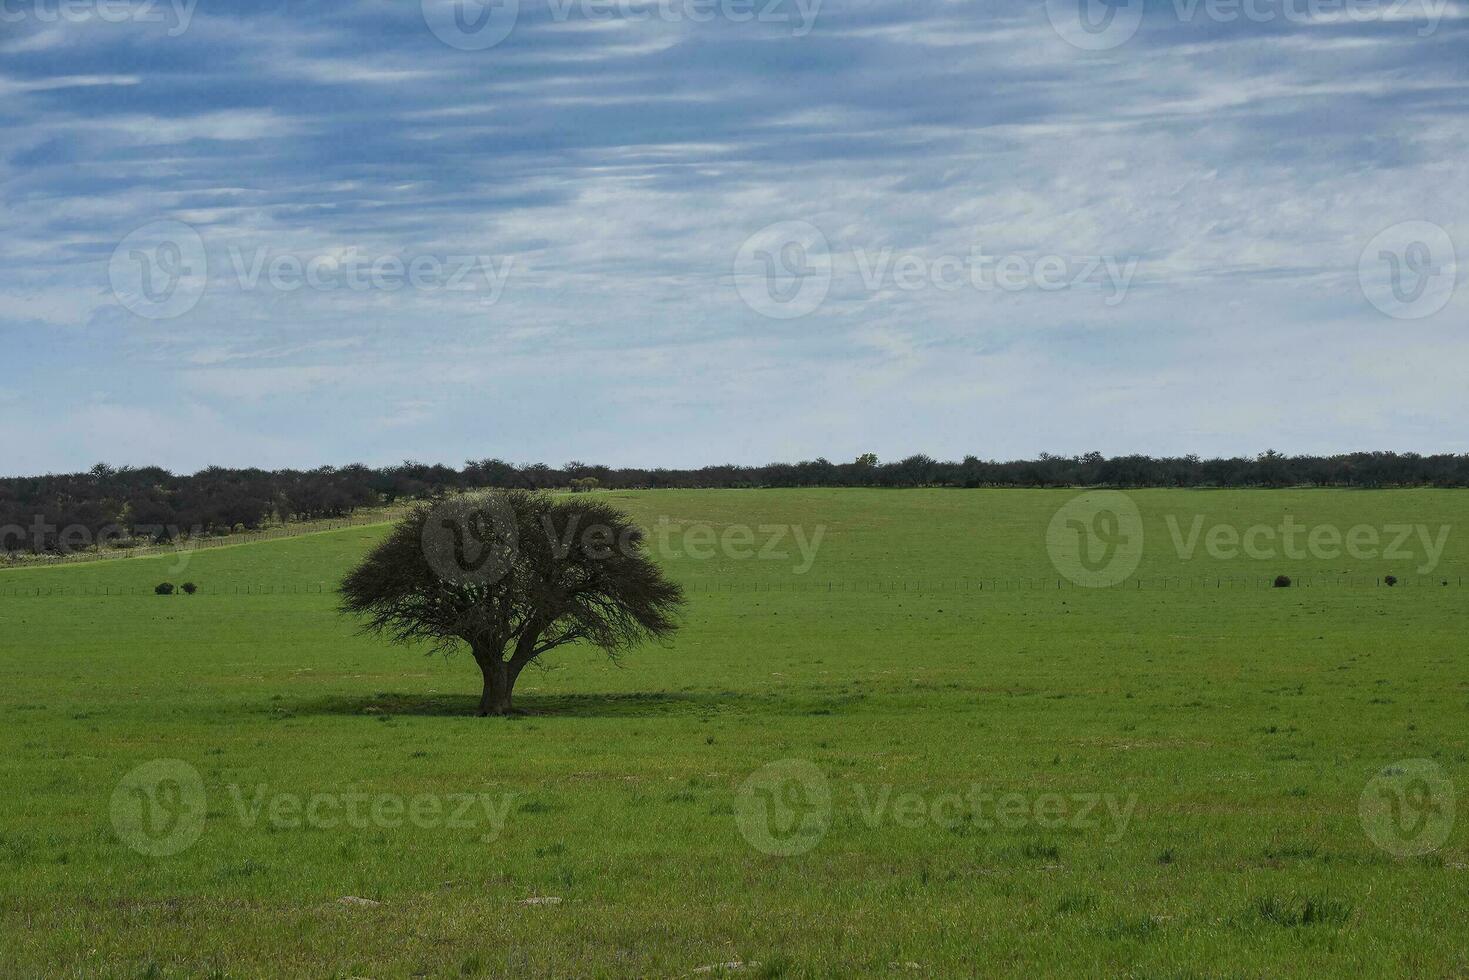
(634,705)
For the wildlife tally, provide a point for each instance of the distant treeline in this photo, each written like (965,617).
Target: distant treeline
(120,506)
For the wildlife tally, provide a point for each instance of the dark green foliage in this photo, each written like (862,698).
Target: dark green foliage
(163,588)
(512,575)
(151,503)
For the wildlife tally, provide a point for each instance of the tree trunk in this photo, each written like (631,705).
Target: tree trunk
(498,684)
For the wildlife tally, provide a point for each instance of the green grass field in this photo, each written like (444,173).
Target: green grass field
(1170,771)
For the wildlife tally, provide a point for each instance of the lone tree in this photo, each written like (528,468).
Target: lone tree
(512,575)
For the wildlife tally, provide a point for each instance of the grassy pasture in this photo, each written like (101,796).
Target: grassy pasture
(1243,722)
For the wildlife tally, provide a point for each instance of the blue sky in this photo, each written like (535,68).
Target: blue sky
(694,231)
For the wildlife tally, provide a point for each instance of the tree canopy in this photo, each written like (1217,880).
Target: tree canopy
(512,575)
(126,506)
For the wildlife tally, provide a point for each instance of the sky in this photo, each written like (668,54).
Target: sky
(683,232)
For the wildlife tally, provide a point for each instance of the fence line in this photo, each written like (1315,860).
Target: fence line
(965,586)
(20,560)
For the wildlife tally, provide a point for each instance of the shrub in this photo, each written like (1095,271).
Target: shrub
(1390,581)
(190,588)
(163,588)
(1282,581)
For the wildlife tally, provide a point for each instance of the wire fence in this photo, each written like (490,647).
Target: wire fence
(964,586)
(25,560)
(106,591)
(1043,583)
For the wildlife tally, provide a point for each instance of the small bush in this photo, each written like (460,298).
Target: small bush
(163,588)
(1282,581)
(190,588)
(1390,581)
